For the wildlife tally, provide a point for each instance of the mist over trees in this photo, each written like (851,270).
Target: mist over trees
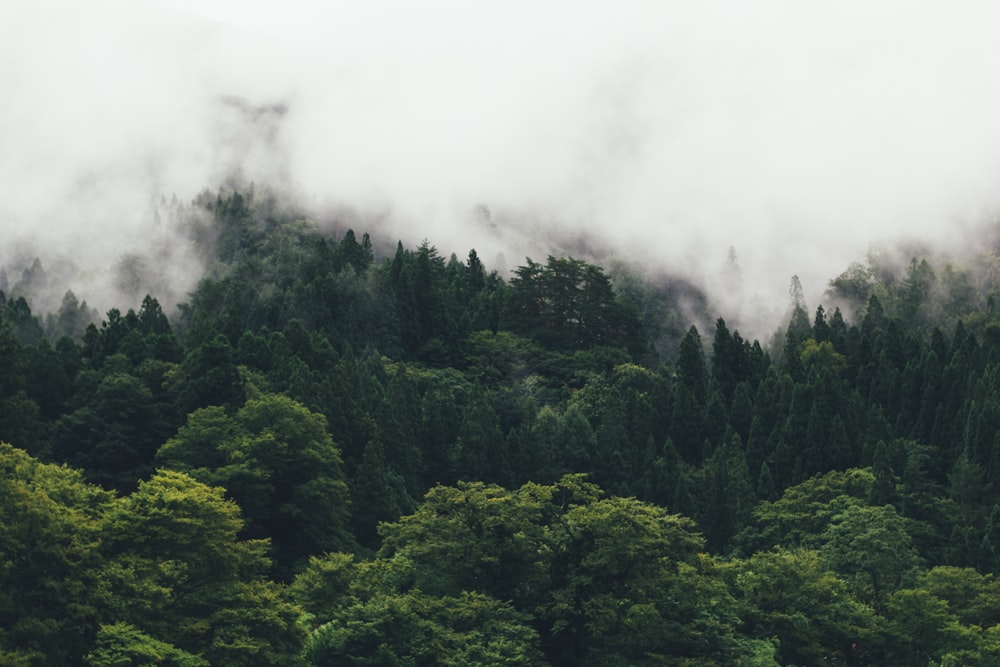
(340,449)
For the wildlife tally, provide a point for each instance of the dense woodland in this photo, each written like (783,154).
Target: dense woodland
(343,453)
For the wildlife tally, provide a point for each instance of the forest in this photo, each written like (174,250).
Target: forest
(340,450)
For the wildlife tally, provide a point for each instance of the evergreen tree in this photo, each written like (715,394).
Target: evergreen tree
(727,494)
(378,493)
(480,449)
(691,365)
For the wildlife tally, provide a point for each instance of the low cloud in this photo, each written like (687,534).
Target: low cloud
(797,133)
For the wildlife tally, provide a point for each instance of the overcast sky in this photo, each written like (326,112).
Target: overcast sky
(798,132)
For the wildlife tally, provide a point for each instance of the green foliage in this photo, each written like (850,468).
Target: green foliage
(794,596)
(181,573)
(854,484)
(51,589)
(416,629)
(872,549)
(970,595)
(922,628)
(803,513)
(278,462)
(853,286)
(378,493)
(726,494)
(605,581)
(208,376)
(322,588)
(122,645)
(568,305)
(820,361)
(114,436)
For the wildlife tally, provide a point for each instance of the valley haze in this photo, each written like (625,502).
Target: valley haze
(665,133)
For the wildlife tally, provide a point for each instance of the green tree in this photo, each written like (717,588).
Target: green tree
(793,596)
(570,305)
(804,511)
(350,252)
(324,587)
(630,588)
(871,547)
(922,629)
(416,629)
(730,359)
(691,365)
(915,291)
(687,424)
(853,286)
(114,435)
(971,596)
(71,319)
(182,575)
(480,446)
(378,493)
(282,468)
(208,376)
(399,423)
(24,325)
(605,580)
(51,588)
(727,494)
(120,645)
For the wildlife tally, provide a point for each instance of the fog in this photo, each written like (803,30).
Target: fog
(797,133)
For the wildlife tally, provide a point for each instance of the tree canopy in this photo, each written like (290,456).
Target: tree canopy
(342,449)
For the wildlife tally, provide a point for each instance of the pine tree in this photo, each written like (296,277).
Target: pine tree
(691,366)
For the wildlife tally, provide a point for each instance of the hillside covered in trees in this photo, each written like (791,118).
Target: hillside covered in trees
(341,451)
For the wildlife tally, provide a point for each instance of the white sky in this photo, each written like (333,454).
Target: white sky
(797,131)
